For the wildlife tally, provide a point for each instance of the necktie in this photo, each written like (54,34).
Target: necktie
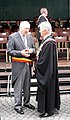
(25,41)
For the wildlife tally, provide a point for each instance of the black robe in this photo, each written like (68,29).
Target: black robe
(47,77)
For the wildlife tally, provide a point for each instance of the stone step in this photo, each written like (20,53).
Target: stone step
(3,81)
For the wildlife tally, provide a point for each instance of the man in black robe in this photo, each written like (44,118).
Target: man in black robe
(48,96)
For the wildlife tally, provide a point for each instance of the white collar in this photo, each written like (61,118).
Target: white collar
(46,36)
(44,17)
(20,34)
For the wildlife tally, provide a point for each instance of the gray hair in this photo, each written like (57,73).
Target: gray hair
(24,24)
(42,10)
(45,26)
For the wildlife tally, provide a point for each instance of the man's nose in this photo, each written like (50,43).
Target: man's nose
(27,30)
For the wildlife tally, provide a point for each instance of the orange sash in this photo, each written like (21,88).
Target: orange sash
(15,59)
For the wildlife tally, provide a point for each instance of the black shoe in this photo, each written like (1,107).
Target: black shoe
(50,114)
(19,110)
(29,106)
(42,115)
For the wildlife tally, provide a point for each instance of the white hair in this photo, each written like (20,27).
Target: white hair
(45,26)
(24,24)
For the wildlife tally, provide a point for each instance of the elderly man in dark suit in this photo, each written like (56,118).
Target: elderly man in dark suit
(20,47)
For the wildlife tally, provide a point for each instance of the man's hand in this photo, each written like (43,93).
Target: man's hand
(25,53)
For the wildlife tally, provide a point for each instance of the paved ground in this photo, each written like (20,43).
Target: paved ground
(7,110)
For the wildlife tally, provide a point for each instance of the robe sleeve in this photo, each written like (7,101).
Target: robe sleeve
(45,65)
